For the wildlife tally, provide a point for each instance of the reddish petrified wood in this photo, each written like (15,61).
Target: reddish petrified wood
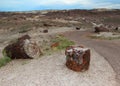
(101,29)
(56,44)
(23,48)
(77,58)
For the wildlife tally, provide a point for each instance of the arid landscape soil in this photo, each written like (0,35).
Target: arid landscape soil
(99,30)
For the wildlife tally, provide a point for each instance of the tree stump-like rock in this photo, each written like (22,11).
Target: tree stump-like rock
(77,58)
(23,48)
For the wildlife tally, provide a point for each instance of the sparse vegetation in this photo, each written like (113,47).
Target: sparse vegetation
(5,59)
(63,42)
(24,29)
(104,38)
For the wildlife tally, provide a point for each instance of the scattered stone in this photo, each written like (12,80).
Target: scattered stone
(77,58)
(46,25)
(101,29)
(77,28)
(116,28)
(45,31)
(23,48)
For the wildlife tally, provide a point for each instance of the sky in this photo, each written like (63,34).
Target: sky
(28,5)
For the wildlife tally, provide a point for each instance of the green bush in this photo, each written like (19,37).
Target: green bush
(5,59)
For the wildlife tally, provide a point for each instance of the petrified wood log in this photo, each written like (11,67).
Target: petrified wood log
(101,29)
(77,58)
(23,48)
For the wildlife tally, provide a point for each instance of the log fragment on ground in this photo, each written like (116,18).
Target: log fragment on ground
(78,28)
(101,29)
(45,31)
(56,44)
(77,58)
(23,48)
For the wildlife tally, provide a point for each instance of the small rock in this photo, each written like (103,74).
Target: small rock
(77,28)
(55,45)
(117,28)
(45,31)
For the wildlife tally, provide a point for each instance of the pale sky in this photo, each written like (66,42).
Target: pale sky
(28,5)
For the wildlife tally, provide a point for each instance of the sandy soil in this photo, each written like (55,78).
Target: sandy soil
(51,71)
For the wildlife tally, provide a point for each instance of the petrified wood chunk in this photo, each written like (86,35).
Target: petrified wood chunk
(56,44)
(117,28)
(78,28)
(77,58)
(101,29)
(45,31)
(23,48)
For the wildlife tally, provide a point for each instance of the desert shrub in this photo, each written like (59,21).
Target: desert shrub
(63,42)
(4,60)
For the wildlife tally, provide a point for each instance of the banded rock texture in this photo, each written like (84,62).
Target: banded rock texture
(77,58)
(23,48)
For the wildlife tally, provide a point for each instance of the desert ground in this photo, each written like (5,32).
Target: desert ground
(50,69)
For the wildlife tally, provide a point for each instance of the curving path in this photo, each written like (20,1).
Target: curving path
(110,50)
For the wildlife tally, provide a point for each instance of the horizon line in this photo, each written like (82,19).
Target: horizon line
(57,9)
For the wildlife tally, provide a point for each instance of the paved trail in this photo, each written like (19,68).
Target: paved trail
(108,49)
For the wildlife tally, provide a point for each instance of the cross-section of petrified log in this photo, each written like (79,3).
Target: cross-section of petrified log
(23,48)
(77,58)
